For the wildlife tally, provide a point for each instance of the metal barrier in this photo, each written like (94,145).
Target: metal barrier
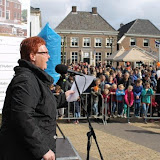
(106,109)
(147,115)
(74,109)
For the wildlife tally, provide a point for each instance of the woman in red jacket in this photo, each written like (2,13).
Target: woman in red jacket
(129,99)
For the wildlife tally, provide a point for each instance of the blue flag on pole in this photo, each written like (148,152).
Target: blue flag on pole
(157,43)
(53,44)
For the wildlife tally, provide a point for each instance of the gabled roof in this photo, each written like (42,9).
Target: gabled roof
(139,27)
(85,21)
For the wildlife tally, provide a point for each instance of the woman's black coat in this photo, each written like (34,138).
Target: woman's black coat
(29,115)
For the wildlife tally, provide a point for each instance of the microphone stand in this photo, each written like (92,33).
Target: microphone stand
(91,132)
(61,131)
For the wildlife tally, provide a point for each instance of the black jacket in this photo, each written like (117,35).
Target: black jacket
(158,92)
(125,83)
(29,115)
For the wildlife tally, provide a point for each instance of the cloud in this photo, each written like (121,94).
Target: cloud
(114,12)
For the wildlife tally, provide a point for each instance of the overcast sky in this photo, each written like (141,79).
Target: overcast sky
(113,11)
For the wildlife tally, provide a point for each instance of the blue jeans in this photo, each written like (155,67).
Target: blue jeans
(113,107)
(137,109)
(145,108)
(95,108)
(77,114)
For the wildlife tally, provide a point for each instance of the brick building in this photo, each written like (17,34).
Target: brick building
(141,33)
(86,37)
(10,11)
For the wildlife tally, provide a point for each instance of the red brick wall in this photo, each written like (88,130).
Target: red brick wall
(3,8)
(14,10)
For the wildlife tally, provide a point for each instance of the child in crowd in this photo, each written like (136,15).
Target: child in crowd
(146,99)
(106,97)
(129,99)
(154,104)
(52,88)
(114,78)
(113,98)
(107,86)
(120,97)
(96,92)
(77,110)
(137,90)
(58,91)
(110,80)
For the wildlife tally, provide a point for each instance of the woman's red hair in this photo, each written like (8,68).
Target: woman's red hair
(30,45)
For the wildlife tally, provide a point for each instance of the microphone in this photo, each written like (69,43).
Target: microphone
(63,69)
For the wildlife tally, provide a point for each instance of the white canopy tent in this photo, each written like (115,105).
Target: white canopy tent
(115,55)
(135,55)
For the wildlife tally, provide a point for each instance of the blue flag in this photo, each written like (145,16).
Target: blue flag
(53,44)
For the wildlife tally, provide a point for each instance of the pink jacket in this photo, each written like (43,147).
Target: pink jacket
(126,97)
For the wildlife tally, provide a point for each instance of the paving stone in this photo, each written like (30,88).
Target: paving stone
(112,147)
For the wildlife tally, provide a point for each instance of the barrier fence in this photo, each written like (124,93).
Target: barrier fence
(110,109)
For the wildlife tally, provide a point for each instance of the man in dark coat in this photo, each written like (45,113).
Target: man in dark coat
(126,81)
(29,113)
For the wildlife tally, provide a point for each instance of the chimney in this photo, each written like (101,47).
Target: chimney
(121,25)
(94,10)
(74,9)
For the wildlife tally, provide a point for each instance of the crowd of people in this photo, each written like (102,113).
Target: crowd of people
(121,89)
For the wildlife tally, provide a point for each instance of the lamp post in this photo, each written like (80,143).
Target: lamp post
(158,43)
(63,51)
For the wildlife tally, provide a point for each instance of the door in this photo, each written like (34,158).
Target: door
(86,60)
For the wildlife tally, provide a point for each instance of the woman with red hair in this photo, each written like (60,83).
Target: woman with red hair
(28,130)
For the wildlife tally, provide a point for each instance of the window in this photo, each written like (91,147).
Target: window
(62,41)
(18,6)
(74,57)
(63,57)
(146,42)
(0,2)
(15,5)
(109,42)
(98,42)
(157,45)
(98,57)
(86,42)
(108,62)
(7,14)
(7,3)
(18,16)
(74,42)
(15,15)
(132,41)
(108,54)
(0,12)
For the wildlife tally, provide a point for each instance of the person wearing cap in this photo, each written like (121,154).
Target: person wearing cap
(28,130)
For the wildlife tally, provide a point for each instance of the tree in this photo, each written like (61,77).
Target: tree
(24,15)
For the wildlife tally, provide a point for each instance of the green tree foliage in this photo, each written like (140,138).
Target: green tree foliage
(24,15)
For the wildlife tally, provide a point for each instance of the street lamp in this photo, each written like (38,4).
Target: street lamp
(63,51)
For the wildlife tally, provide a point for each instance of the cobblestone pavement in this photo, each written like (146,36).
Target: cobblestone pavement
(117,141)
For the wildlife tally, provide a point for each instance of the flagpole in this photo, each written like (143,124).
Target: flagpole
(159,54)
(158,43)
